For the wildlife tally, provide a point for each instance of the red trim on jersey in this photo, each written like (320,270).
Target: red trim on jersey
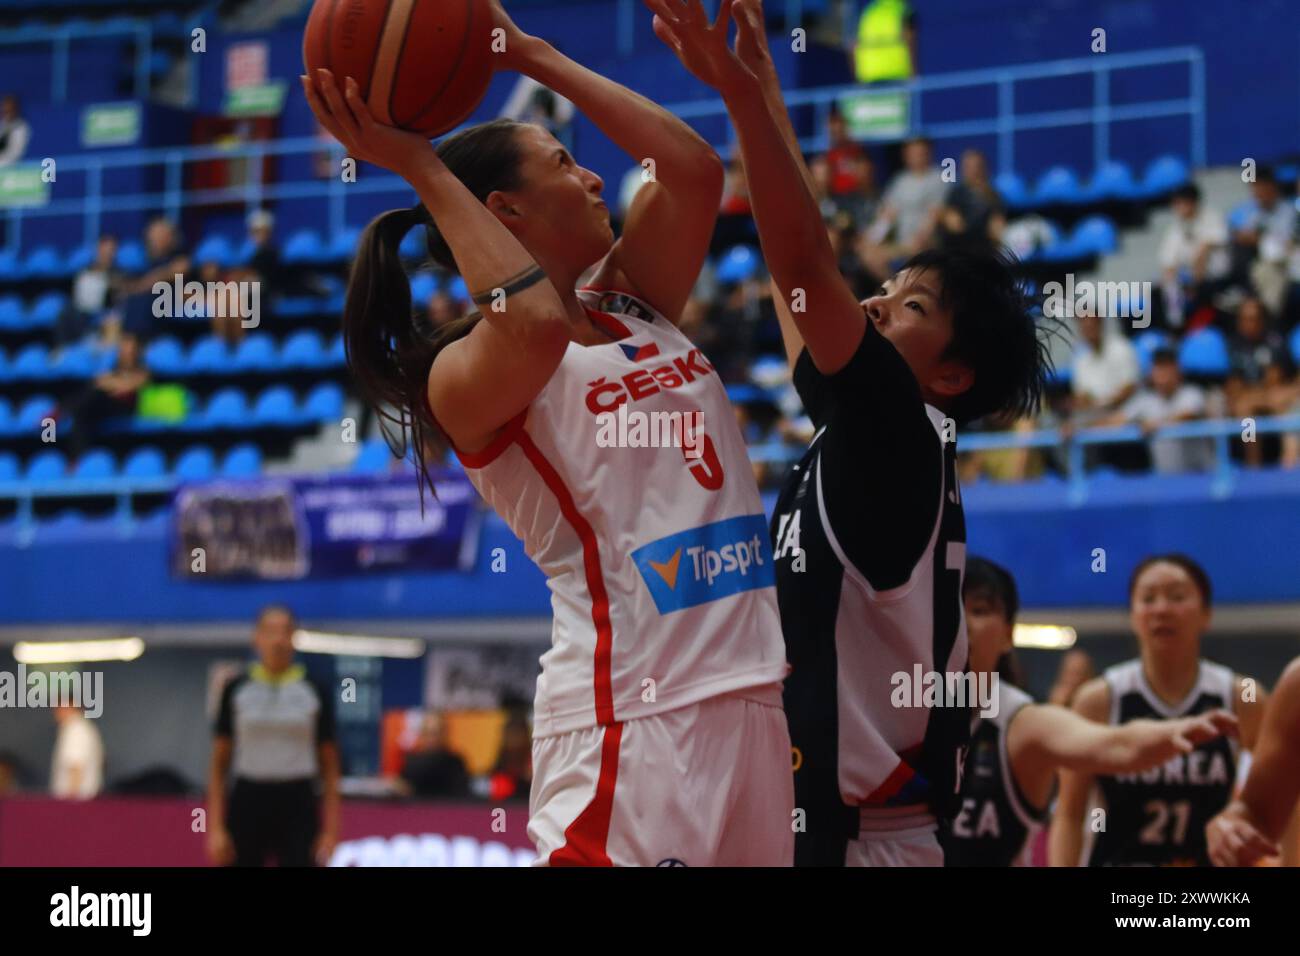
(586,837)
(607,322)
(895,782)
(595,578)
(485,456)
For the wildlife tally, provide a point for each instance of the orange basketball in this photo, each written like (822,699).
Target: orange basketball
(423,65)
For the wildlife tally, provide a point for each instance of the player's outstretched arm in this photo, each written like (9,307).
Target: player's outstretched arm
(1065,841)
(790,228)
(670,223)
(1251,825)
(1050,736)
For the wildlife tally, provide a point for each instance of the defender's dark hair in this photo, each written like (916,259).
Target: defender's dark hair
(994,583)
(1189,191)
(1189,565)
(993,330)
(389,357)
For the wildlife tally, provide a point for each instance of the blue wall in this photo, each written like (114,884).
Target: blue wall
(1246,541)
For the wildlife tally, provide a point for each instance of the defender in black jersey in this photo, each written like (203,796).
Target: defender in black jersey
(868,532)
(1158,817)
(1015,752)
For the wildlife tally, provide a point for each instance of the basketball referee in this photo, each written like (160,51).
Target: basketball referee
(275,728)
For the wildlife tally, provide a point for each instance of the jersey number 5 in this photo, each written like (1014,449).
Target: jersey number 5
(706,468)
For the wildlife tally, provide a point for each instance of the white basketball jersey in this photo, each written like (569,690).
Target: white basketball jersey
(649,530)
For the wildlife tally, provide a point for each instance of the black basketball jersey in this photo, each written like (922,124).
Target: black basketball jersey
(994,821)
(869,541)
(1158,817)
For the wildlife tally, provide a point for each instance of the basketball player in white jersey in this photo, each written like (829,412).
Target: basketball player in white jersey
(1016,750)
(869,531)
(1255,824)
(1158,817)
(659,734)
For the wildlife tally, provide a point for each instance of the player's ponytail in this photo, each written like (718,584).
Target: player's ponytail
(389,352)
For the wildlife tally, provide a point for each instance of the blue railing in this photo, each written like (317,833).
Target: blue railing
(1100,115)
(61,38)
(122,490)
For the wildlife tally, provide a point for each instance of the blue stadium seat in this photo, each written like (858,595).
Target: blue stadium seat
(46,466)
(737,264)
(1204,352)
(303,350)
(1164,175)
(304,246)
(244,254)
(244,461)
(30,412)
(76,361)
(1095,235)
(81,257)
(457,289)
(215,248)
(255,353)
(9,265)
(1058,185)
(45,311)
(12,313)
(197,463)
(95,464)
(1012,189)
(343,245)
(276,406)
(1112,180)
(227,408)
(33,362)
(131,257)
(6,415)
(44,262)
(413,245)
(336,355)
(1240,214)
(1295,345)
(423,285)
(165,357)
(8,466)
(146,462)
(210,354)
(323,403)
(373,458)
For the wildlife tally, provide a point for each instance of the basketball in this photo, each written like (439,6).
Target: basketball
(422,65)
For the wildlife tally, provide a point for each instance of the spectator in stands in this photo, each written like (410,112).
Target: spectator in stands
(1262,245)
(972,209)
(844,158)
(441,309)
(1076,670)
(265,266)
(863,204)
(109,394)
(820,171)
(1168,400)
(78,766)
(166,259)
(512,776)
(885,47)
(15,132)
(9,773)
(1104,372)
(1255,344)
(432,768)
(735,191)
(909,211)
(1194,260)
(94,290)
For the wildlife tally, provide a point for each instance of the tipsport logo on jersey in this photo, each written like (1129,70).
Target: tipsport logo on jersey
(706,563)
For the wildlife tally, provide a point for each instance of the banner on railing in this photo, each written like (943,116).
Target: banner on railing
(110,124)
(880,114)
(293,528)
(23,186)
